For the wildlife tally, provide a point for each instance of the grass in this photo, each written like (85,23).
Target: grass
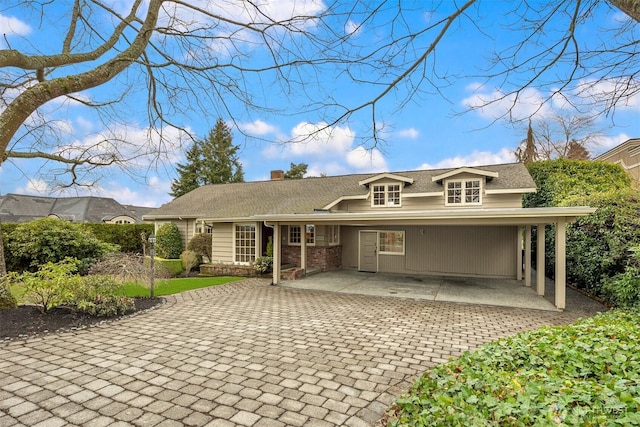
(177,285)
(585,374)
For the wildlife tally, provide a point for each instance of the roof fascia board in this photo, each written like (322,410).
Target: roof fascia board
(429,194)
(511,190)
(458,171)
(617,149)
(343,198)
(386,175)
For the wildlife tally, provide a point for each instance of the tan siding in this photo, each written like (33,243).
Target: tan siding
(488,251)
(222,242)
(493,201)
(628,162)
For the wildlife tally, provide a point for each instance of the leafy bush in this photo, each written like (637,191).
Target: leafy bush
(581,374)
(189,260)
(100,295)
(202,245)
(165,267)
(52,285)
(49,240)
(623,289)
(126,236)
(263,264)
(7,300)
(168,241)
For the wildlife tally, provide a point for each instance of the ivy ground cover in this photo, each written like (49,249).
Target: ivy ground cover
(585,374)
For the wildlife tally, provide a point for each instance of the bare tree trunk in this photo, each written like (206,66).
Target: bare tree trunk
(3,265)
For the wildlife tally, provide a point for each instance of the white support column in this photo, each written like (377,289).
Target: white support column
(519,254)
(540,260)
(303,247)
(561,263)
(527,255)
(277,245)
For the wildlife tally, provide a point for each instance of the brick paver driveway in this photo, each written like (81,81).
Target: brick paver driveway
(245,354)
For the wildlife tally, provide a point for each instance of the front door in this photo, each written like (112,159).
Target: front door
(368,258)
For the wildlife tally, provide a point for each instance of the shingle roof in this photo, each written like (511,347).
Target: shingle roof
(24,208)
(242,200)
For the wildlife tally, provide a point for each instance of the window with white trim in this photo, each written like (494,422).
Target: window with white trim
(464,192)
(333,234)
(245,243)
(386,195)
(391,242)
(295,234)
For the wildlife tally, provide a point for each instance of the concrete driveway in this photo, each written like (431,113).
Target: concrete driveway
(247,354)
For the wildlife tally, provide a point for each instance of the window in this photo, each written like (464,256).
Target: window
(391,242)
(201,227)
(386,195)
(295,234)
(333,234)
(245,243)
(464,192)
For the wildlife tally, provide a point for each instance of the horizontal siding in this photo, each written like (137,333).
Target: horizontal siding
(481,251)
(222,243)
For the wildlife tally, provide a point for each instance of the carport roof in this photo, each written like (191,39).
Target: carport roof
(513,216)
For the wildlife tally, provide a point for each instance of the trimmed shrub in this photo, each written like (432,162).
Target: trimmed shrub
(263,264)
(126,236)
(50,240)
(202,245)
(623,289)
(100,295)
(168,241)
(172,267)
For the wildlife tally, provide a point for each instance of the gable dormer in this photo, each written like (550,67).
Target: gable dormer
(464,186)
(386,189)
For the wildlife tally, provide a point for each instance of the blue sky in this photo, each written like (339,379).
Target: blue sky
(432,130)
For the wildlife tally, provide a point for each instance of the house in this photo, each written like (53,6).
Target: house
(24,208)
(626,155)
(466,221)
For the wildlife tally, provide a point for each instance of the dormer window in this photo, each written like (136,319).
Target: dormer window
(464,192)
(385,195)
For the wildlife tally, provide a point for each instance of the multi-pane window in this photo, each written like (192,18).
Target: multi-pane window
(391,242)
(333,234)
(245,243)
(386,195)
(295,234)
(464,192)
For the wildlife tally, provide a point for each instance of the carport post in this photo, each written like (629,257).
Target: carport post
(303,248)
(277,243)
(561,263)
(519,254)
(540,260)
(527,255)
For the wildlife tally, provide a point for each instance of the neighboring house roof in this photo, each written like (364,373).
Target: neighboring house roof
(304,196)
(24,208)
(631,145)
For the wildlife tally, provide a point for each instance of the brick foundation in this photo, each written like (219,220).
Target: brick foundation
(228,270)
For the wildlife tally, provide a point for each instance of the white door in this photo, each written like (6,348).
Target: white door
(368,257)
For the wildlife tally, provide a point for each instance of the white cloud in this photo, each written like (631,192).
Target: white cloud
(13,26)
(605,143)
(494,105)
(352,27)
(258,127)
(366,160)
(410,133)
(476,158)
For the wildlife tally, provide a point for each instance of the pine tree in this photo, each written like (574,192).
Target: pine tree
(213,160)
(296,171)
(187,173)
(527,151)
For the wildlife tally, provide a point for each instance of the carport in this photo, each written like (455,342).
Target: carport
(524,219)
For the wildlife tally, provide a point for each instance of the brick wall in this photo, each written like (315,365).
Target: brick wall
(321,257)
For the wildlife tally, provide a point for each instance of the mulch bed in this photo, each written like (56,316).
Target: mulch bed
(26,320)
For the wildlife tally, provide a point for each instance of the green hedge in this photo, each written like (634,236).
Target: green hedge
(173,266)
(127,236)
(598,244)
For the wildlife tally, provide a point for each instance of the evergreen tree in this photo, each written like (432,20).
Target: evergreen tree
(296,171)
(187,173)
(527,151)
(213,160)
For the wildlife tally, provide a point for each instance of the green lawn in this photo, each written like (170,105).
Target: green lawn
(174,286)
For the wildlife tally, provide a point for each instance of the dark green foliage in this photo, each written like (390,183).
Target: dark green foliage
(202,245)
(583,374)
(213,160)
(296,171)
(598,244)
(623,289)
(101,295)
(35,243)
(126,236)
(168,241)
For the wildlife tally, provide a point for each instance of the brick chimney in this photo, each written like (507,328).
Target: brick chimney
(277,175)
